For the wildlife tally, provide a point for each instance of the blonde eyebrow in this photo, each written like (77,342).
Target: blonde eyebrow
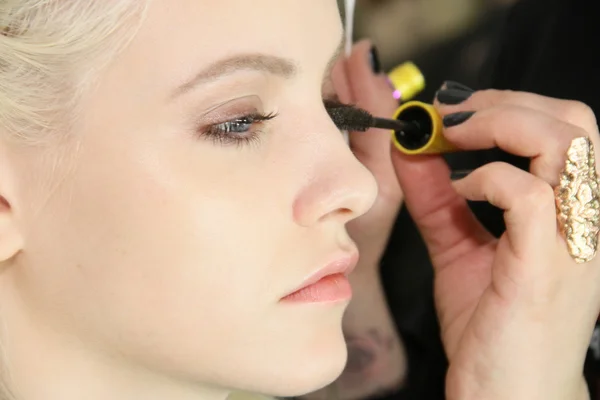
(251,62)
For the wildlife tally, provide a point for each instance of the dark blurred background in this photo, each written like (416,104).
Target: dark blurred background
(447,39)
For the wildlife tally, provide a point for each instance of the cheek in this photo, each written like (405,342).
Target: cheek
(163,243)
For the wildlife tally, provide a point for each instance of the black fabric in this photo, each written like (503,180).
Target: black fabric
(547,47)
(550,47)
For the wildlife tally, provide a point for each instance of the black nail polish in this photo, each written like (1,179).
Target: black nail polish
(457,118)
(374,60)
(458,86)
(452,96)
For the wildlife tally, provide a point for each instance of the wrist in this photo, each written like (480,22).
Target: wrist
(532,387)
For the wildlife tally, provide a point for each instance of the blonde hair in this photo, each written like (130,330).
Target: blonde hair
(50,51)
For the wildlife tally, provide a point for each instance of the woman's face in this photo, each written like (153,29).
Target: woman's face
(166,242)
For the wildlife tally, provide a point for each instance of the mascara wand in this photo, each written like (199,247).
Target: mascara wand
(350,118)
(416,126)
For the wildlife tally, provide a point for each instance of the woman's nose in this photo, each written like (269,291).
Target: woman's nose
(340,187)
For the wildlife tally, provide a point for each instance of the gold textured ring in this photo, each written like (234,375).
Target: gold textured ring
(578,201)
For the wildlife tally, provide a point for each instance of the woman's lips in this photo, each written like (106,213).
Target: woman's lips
(329,284)
(331,288)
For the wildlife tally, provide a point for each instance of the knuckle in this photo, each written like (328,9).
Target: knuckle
(491,174)
(487,98)
(566,134)
(498,114)
(507,110)
(498,94)
(580,114)
(491,95)
(539,196)
(497,167)
(500,117)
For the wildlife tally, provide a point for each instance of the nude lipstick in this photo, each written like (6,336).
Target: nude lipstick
(327,285)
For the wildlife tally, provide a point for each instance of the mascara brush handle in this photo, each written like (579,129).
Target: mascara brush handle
(392,124)
(429,138)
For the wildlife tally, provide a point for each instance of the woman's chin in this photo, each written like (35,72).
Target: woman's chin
(304,370)
(312,379)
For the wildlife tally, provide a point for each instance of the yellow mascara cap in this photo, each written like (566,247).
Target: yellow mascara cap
(429,138)
(407,80)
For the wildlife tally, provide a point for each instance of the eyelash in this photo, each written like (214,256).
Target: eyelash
(224,133)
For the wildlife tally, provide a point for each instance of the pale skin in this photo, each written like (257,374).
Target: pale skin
(368,324)
(148,261)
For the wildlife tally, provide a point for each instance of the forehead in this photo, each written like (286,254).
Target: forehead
(181,35)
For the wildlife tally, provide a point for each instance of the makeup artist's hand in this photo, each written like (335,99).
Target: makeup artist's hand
(376,360)
(517,313)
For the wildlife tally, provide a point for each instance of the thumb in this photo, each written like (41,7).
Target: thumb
(443,217)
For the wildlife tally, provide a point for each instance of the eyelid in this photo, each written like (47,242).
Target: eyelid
(230,109)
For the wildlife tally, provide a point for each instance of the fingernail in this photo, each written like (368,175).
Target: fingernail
(452,96)
(457,118)
(374,60)
(458,86)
